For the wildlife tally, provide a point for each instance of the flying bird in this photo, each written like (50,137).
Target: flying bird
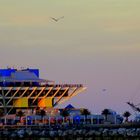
(57,19)
(104,89)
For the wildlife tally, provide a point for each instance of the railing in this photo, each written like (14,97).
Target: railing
(45,85)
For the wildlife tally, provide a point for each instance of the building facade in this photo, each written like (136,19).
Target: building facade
(23,89)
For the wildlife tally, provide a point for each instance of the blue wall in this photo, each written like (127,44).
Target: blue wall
(7,72)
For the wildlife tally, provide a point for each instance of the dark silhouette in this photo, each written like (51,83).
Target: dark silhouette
(42,114)
(64,113)
(126,114)
(85,112)
(106,112)
(104,89)
(134,107)
(37,111)
(1,113)
(57,19)
(20,114)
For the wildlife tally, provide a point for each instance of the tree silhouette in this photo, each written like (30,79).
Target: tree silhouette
(42,114)
(20,114)
(85,112)
(64,113)
(106,112)
(126,114)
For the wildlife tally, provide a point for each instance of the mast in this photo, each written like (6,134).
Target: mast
(134,107)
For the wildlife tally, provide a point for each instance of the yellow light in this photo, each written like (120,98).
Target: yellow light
(45,102)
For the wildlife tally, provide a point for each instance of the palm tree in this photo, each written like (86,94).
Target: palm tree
(42,113)
(64,113)
(106,112)
(20,114)
(126,114)
(85,112)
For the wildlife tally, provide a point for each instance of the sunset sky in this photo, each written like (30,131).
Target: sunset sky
(97,43)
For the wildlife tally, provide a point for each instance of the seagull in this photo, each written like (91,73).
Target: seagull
(104,89)
(57,19)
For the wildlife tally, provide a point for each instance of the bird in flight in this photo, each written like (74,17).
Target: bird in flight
(57,19)
(104,89)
